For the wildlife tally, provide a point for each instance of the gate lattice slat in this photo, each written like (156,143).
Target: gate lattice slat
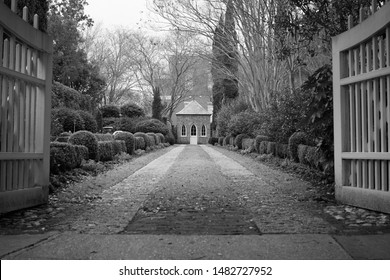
(25,101)
(361,82)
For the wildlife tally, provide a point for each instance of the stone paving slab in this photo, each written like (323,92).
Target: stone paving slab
(189,247)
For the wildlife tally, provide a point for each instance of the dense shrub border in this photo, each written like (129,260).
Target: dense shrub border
(148,143)
(129,141)
(87,139)
(65,156)
(106,150)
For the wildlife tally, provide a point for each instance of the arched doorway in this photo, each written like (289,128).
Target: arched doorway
(194,135)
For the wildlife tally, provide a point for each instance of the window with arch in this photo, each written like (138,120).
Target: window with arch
(183,130)
(203,133)
(193,130)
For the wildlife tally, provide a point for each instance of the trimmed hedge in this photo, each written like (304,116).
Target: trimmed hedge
(156,138)
(152,139)
(104,137)
(226,140)
(90,123)
(66,97)
(139,143)
(220,141)
(129,141)
(152,125)
(294,141)
(282,150)
(106,150)
(248,143)
(263,147)
(148,143)
(238,140)
(162,137)
(65,156)
(87,139)
(170,138)
(258,140)
(213,140)
(117,147)
(271,148)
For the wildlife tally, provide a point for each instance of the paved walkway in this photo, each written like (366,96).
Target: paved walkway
(196,202)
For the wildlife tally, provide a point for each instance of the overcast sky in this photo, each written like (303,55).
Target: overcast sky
(126,13)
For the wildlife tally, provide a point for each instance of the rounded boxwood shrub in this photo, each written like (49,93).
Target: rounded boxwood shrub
(170,138)
(81,152)
(110,111)
(69,119)
(258,140)
(156,138)
(282,150)
(238,140)
(139,143)
(152,125)
(162,137)
(220,141)
(295,140)
(152,139)
(248,143)
(65,156)
(106,151)
(302,153)
(263,147)
(213,140)
(271,148)
(121,148)
(90,123)
(148,143)
(104,137)
(226,140)
(129,139)
(132,110)
(87,139)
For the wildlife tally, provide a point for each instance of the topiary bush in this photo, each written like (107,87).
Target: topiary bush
(302,153)
(69,119)
(106,150)
(170,138)
(220,141)
(213,140)
(139,143)
(152,125)
(282,150)
(258,140)
(90,123)
(248,143)
(119,147)
(226,140)
(114,122)
(132,110)
(162,137)
(271,148)
(66,97)
(246,122)
(104,137)
(152,139)
(129,139)
(87,139)
(263,147)
(110,111)
(295,140)
(65,156)
(156,138)
(148,143)
(238,140)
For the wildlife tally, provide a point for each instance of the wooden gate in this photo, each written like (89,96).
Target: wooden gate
(361,92)
(25,101)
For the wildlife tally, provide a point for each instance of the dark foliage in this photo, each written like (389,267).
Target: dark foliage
(88,140)
(69,119)
(110,111)
(129,141)
(152,125)
(89,121)
(132,110)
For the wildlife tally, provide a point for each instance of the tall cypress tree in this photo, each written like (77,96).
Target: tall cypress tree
(156,105)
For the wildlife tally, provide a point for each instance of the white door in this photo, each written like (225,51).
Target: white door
(194,136)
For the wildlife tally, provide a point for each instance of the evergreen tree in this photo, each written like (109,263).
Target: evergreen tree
(156,105)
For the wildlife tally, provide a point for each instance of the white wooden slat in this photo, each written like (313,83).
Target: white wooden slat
(353,173)
(1,45)
(16,177)
(358,130)
(373,74)
(364,121)
(352,118)
(375,53)
(14,156)
(33,118)
(383,125)
(371,181)
(28,119)
(362,59)
(377,132)
(388,46)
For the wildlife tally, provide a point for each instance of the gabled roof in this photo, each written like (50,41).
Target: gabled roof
(193,108)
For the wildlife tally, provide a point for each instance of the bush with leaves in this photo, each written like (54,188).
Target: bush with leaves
(220,141)
(87,139)
(139,143)
(64,96)
(132,110)
(104,137)
(170,138)
(69,119)
(258,140)
(238,140)
(90,123)
(115,123)
(213,140)
(248,143)
(110,111)
(129,139)
(295,140)
(226,113)
(246,122)
(65,156)
(152,125)
(148,143)
(162,137)
(106,150)
(152,138)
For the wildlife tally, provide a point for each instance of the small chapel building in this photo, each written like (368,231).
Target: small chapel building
(193,124)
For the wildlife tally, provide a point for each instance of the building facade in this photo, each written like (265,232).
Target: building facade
(193,124)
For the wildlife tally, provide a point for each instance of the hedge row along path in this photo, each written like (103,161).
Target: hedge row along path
(184,190)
